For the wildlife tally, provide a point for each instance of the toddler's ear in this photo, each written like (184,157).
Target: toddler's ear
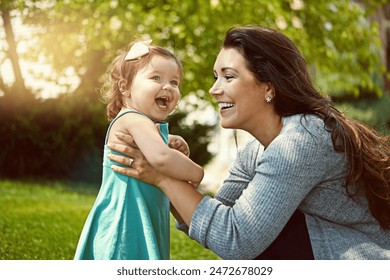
(122,83)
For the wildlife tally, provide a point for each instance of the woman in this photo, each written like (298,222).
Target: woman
(321,184)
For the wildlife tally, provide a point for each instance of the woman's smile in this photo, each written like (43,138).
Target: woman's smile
(225,106)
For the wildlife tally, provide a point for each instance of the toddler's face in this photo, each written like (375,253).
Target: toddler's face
(155,88)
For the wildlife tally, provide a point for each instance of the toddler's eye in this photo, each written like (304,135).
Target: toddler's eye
(175,83)
(156,78)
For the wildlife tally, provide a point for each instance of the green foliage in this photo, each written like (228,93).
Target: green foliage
(342,48)
(340,44)
(53,138)
(63,138)
(43,221)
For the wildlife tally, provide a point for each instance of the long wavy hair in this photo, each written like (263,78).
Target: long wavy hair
(125,70)
(274,58)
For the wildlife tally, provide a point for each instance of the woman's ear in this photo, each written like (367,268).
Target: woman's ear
(270,93)
(270,90)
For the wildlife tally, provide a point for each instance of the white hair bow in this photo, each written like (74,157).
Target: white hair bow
(138,50)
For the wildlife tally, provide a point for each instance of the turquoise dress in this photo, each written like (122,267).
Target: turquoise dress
(129,219)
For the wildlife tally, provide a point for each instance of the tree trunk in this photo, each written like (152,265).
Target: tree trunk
(12,53)
(386,12)
(3,87)
(90,80)
(382,16)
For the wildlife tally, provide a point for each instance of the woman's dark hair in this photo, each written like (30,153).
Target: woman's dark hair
(274,58)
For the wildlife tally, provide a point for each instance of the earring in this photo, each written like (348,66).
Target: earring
(268,99)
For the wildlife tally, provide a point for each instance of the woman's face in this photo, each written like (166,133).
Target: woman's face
(240,97)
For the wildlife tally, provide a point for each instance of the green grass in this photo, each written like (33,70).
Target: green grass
(43,221)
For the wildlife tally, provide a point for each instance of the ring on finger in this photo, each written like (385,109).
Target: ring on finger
(131,160)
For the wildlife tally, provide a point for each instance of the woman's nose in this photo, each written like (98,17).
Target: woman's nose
(215,90)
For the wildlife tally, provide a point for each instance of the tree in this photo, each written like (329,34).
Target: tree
(341,47)
(379,11)
(19,85)
(339,43)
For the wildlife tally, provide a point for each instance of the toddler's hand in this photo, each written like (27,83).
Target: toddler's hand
(178,143)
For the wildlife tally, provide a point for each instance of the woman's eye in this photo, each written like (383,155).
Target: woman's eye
(228,77)
(215,77)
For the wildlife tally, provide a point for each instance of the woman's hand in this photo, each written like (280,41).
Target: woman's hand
(138,166)
(182,195)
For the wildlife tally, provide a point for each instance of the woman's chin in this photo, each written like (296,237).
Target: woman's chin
(225,125)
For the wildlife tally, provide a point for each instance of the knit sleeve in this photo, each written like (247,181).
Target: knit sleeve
(240,174)
(289,168)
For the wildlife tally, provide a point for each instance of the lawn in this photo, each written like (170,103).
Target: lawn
(42,221)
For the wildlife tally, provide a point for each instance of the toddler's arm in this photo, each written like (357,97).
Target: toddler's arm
(170,162)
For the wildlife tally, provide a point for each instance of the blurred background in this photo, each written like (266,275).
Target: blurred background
(54,54)
(53,59)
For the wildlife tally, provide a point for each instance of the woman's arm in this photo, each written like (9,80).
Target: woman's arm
(276,185)
(182,195)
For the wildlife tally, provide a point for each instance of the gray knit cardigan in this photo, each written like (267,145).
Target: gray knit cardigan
(299,169)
